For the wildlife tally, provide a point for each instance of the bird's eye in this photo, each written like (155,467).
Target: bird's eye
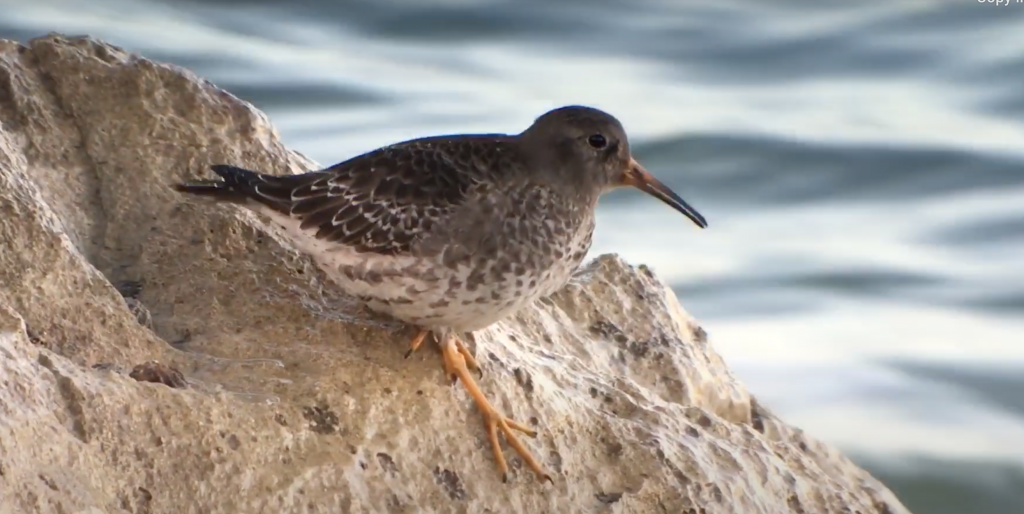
(597,141)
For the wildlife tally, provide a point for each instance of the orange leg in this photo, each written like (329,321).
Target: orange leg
(471,361)
(455,365)
(416,342)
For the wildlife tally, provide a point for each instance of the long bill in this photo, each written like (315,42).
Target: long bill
(642,179)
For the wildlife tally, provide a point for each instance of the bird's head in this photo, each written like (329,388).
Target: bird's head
(591,147)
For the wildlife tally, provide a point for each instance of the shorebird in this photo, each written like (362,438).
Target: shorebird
(453,233)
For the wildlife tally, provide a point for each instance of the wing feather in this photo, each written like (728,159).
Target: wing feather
(379,202)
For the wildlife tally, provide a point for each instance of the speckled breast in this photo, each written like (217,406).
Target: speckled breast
(427,293)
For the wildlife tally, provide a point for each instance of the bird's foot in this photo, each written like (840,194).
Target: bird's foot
(456,365)
(416,342)
(471,361)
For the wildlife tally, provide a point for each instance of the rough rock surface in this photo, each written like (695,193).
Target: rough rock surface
(164,356)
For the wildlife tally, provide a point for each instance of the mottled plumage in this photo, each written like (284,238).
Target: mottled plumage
(453,233)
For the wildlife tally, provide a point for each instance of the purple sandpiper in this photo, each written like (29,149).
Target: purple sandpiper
(453,233)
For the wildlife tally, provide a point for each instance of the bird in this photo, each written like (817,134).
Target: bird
(451,234)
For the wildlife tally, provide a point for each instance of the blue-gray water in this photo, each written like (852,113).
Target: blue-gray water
(861,165)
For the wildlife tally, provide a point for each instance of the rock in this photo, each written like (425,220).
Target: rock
(298,399)
(159,373)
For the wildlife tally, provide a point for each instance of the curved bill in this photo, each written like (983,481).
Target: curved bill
(642,179)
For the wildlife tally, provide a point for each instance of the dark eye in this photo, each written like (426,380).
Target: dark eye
(597,141)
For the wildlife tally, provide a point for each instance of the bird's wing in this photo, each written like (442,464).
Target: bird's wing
(379,202)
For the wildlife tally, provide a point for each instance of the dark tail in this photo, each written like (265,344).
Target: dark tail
(238,185)
(244,187)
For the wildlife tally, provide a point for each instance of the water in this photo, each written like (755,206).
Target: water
(861,165)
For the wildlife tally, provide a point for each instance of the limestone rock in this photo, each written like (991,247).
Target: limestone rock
(159,355)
